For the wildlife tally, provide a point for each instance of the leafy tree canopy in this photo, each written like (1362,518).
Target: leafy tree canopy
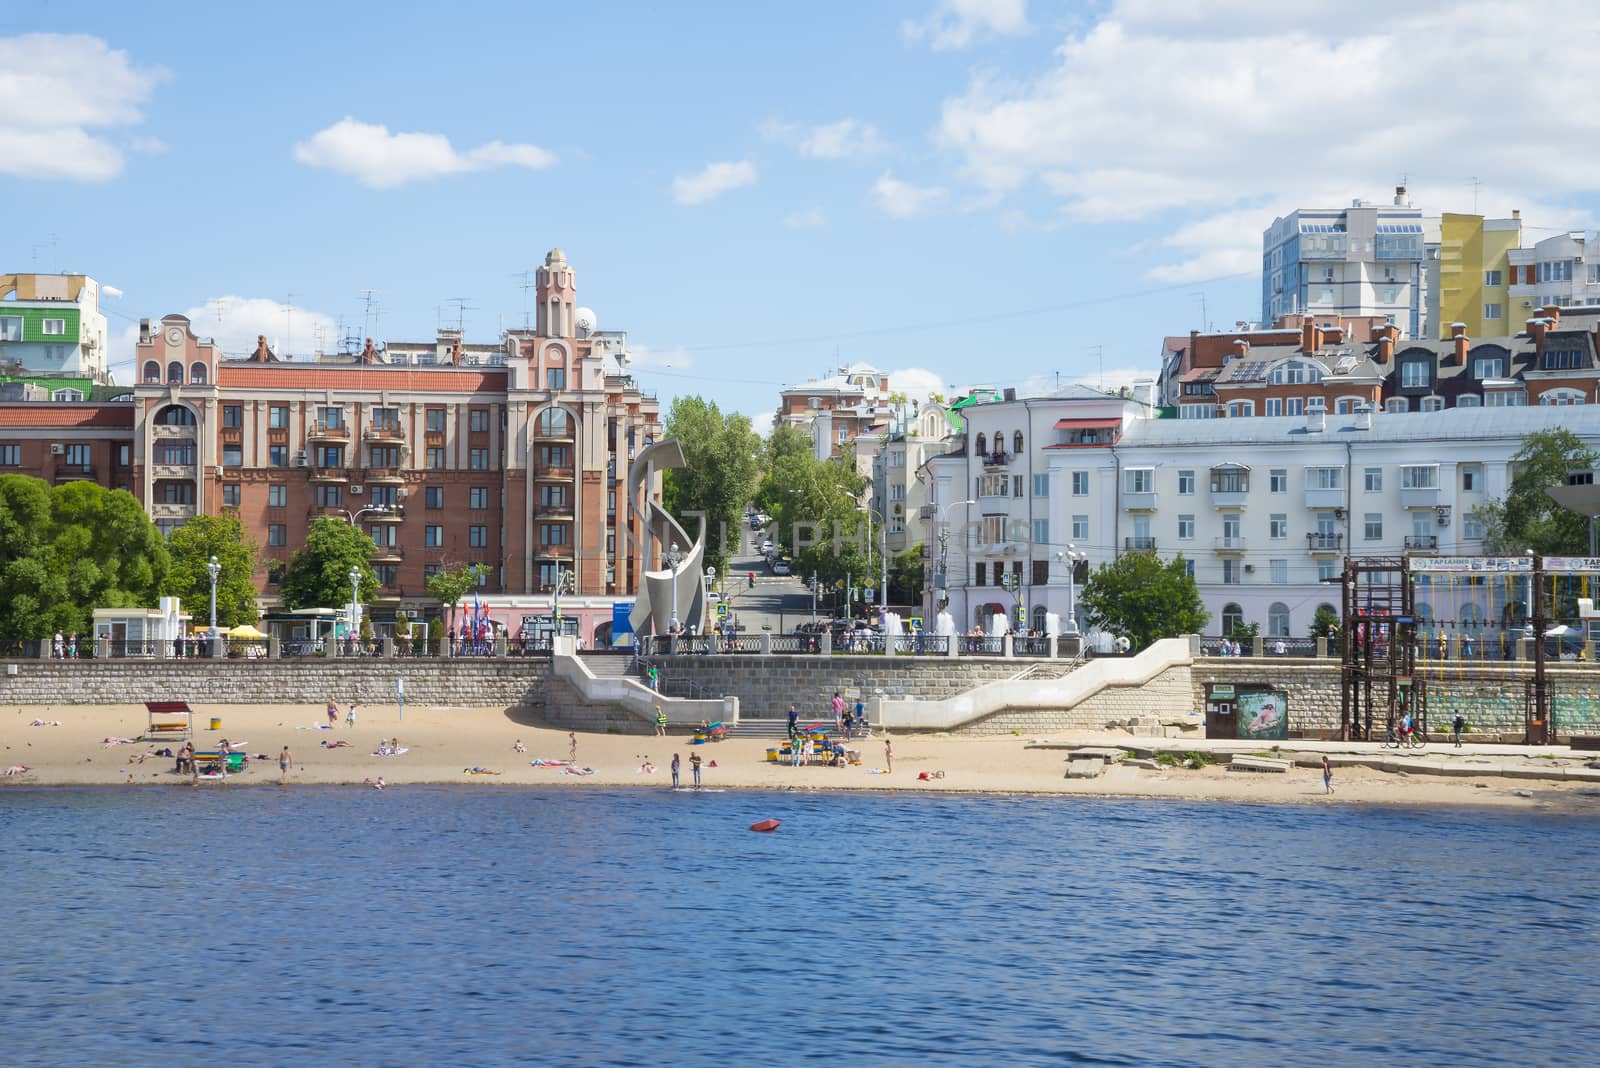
(723,457)
(1143,597)
(318,575)
(452,585)
(813,505)
(1526,518)
(192,546)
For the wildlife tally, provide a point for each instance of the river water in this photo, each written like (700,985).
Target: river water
(626,927)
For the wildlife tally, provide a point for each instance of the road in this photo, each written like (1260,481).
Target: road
(779,602)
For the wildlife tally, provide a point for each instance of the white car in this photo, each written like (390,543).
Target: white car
(766,548)
(781,567)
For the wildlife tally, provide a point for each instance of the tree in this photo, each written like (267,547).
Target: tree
(451,586)
(1144,598)
(318,575)
(722,455)
(816,502)
(192,546)
(66,550)
(907,576)
(1526,518)
(1325,624)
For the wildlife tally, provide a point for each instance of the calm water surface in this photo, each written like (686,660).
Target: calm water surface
(571,926)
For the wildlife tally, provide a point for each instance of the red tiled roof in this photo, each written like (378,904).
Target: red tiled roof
(280,376)
(40,414)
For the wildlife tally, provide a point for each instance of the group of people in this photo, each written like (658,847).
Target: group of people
(333,714)
(846,720)
(65,648)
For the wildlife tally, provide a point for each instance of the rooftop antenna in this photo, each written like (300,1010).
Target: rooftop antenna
(51,245)
(1475,186)
(218,303)
(288,332)
(462,307)
(1100,356)
(527,284)
(366,315)
(1205,327)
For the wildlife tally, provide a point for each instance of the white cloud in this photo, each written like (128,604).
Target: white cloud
(1225,115)
(147,146)
(761,423)
(715,180)
(902,200)
(808,219)
(54,89)
(378,159)
(957,23)
(845,139)
(643,357)
(233,322)
(917,382)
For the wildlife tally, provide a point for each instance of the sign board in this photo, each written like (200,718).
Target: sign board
(1263,714)
(1572,565)
(620,623)
(1217,692)
(1479,564)
(914,623)
(722,611)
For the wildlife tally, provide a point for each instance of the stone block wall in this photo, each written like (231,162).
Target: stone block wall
(568,710)
(1168,696)
(478,682)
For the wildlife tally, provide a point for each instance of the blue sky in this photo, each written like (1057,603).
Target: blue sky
(972,191)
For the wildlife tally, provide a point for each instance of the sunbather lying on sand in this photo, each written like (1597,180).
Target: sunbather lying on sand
(518,746)
(578,771)
(109,742)
(342,743)
(17,769)
(45,723)
(478,771)
(541,762)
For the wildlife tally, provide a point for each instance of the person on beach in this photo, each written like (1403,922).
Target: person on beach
(861,716)
(185,758)
(1457,725)
(285,761)
(661,723)
(518,746)
(350,716)
(694,765)
(675,766)
(795,749)
(808,750)
(333,713)
(888,753)
(847,724)
(794,721)
(572,746)
(1327,774)
(379,784)
(838,710)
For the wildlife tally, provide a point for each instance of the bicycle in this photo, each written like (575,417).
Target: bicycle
(1413,740)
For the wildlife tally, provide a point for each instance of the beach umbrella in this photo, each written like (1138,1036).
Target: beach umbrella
(245,630)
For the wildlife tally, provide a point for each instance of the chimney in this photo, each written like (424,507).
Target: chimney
(1364,417)
(1459,336)
(1553,313)
(1240,348)
(1308,336)
(262,353)
(1010,393)
(1386,339)
(1316,416)
(144,331)
(1536,328)
(1399,196)
(369,354)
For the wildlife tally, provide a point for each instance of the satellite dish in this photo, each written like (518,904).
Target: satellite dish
(583,321)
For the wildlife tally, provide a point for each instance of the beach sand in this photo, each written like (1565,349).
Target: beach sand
(443,742)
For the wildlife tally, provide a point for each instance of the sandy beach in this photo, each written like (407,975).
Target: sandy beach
(443,745)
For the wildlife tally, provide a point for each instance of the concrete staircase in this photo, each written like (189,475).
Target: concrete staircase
(762,728)
(609,666)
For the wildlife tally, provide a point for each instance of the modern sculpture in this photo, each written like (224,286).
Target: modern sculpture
(654,609)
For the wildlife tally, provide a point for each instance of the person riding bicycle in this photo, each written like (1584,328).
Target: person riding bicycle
(1405,727)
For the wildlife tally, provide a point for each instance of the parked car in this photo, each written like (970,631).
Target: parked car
(780,567)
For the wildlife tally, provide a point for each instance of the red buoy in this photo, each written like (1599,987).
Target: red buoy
(765,825)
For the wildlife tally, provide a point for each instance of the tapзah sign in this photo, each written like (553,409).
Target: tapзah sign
(1480,564)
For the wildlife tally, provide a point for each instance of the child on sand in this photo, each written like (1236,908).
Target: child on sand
(350,716)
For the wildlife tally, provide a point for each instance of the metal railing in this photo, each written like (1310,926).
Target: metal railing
(922,644)
(1324,542)
(796,643)
(974,645)
(1030,645)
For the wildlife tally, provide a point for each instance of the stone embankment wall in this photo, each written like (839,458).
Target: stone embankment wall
(1168,697)
(568,710)
(765,685)
(452,683)
(1490,696)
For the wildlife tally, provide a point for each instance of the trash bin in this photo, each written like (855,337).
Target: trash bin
(216,723)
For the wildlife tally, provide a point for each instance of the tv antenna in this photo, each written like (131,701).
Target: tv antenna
(366,315)
(217,304)
(1476,185)
(462,307)
(51,245)
(526,284)
(288,330)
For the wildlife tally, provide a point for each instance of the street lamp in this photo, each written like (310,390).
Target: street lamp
(213,569)
(883,525)
(674,558)
(944,541)
(1072,557)
(355,602)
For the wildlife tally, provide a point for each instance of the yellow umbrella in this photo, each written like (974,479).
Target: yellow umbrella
(245,630)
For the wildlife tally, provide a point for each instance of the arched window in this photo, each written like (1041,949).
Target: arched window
(1038,618)
(152,372)
(197,373)
(1278,620)
(1016,443)
(174,373)
(1397,404)
(175,415)
(554,423)
(983,445)
(1232,617)
(1560,397)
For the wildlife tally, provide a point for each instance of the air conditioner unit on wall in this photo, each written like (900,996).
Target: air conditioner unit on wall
(57,450)
(300,459)
(356,491)
(1338,513)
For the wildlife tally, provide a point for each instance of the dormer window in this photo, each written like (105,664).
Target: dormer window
(1489,367)
(1414,374)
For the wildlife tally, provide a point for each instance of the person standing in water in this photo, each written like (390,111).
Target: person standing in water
(694,765)
(675,766)
(285,762)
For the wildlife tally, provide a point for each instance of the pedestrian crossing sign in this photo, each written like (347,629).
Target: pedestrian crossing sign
(915,622)
(722,611)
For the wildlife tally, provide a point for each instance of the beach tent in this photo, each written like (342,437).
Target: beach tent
(244,630)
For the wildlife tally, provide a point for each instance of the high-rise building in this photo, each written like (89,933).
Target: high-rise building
(51,324)
(1364,260)
(1475,275)
(1563,271)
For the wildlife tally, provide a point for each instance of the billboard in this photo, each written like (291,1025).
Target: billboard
(1263,714)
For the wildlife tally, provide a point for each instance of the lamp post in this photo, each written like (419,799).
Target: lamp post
(944,542)
(355,603)
(674,558)
(1072,557)
(213,569)
(883,559)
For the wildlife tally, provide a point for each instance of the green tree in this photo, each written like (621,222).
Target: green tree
(192,546)
(723,458)
(1142,597)
(907,577)
(1325,624)
(451,586)
(1526,517)
(318,575)
(813,504)
(66,550)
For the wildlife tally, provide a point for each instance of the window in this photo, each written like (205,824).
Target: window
(278,416)
(983,445)
(1491,311)
(230,495)
(175,415)
(1230,479)
(994,485)
(1016,442)
(333,418)
(78,456)
(478,498)
(1491,278)
(1274,406)
(1373,527)
(1041,485)
(478,420)
(483,576)
(1232,618)
(233,456)
(54,327)
(1241,409)
(1230,572)
(277,496)
(1414,374)
(555,423)
(1431,404)
(1041,577)
(434,420)
(1562,359)
(1560,397)
(1278,620)
(435,458)
(11,330)
(433,537)
(994,529)
(67,395)
(1016,486)
(1373,479)
(1186,528)
(278,455)
(232,416)
(1420,476)
(554,533)
(1080,483)
(10,455)
(1185,483)
(1278,480)
(478,536)
(277,535)
(1327,570)
(1505,398)
(433,497)
(554,456)
(555,378)
(1489,367)
(383,537)
(152,370)
(388,575)
(553,496)
(1041,532)
(1140,480)
(1188,568)
(1471,478)
(329,456)
(979,571)
(1278,526)
(1294,406)
(1469,400)
(1080,528)
(1279,572)
(1472,527)
(1324,478)
(384,496)
(330,496)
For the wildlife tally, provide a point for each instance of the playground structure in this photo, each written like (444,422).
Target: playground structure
(1437,635)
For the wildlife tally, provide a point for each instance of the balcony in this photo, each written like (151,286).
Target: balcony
(163,510)
(330,474)
(553,474)
(389,514)
(387,554)
(383,433)
(76,473)
(996,460)
(386,476)
(557,436)
(553,552)
(326,511)
(1138,545)
(1230,544)
(555,511)
(161,430)
(1139,502)
(1324,498)
(181,471)
(1324,543)
(1230,486)
(1419,497)
(328,432)
(1422,543)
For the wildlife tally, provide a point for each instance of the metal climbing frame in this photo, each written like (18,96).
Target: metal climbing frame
(1378,669)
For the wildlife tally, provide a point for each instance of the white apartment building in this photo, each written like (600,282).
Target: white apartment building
(897,495)
(1367,259)
(1563,270)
